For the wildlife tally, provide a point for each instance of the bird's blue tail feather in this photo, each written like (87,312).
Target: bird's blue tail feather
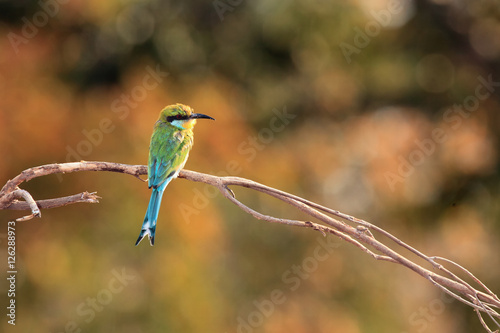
(149,224)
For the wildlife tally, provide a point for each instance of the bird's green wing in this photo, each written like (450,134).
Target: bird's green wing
(167,154)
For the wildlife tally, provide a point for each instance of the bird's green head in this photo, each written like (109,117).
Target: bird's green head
(181,116)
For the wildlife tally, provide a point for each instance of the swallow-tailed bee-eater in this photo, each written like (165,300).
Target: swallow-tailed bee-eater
(169,148)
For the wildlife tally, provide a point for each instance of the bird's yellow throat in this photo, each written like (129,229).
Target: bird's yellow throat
(189,124)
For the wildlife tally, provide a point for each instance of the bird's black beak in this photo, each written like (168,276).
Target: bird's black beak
(200,115)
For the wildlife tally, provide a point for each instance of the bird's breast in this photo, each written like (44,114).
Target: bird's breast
(179,136)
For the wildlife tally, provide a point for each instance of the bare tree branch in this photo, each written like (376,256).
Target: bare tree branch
(360,233)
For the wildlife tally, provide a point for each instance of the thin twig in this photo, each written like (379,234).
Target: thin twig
(84,197)
(472,276)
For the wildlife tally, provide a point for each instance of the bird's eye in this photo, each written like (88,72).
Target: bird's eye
(178,116)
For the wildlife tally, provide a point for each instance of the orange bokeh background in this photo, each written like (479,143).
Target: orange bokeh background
(310,97)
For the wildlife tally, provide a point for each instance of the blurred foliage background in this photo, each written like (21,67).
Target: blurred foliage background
(380,109)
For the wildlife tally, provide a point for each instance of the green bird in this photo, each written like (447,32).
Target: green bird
(169,148)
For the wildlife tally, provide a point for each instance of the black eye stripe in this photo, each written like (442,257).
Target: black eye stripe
(176,117)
